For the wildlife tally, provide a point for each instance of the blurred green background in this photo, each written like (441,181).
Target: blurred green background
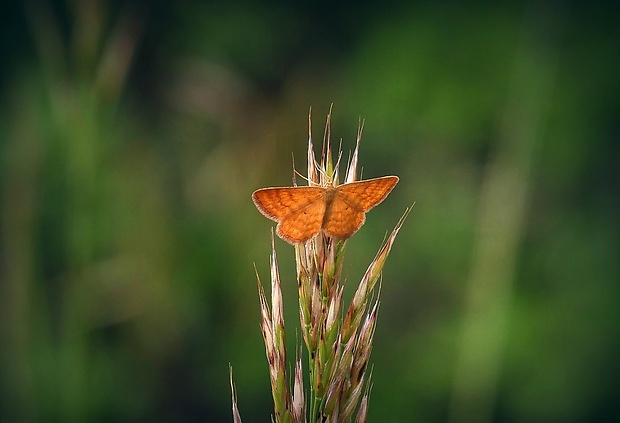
(133,133)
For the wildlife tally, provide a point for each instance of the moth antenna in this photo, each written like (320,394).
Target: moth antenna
(294,170)
(336,175)
(323,174)
(302,177)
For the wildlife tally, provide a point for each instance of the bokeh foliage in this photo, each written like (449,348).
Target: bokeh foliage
(133,134)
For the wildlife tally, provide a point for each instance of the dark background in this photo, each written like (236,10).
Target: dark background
(132,135)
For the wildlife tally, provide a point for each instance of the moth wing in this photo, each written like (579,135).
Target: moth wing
(304,223)
(351,201)
(299,211)
(367,194)
(278,203)
(343,219)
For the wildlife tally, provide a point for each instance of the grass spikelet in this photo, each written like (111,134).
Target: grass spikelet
(337,344)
